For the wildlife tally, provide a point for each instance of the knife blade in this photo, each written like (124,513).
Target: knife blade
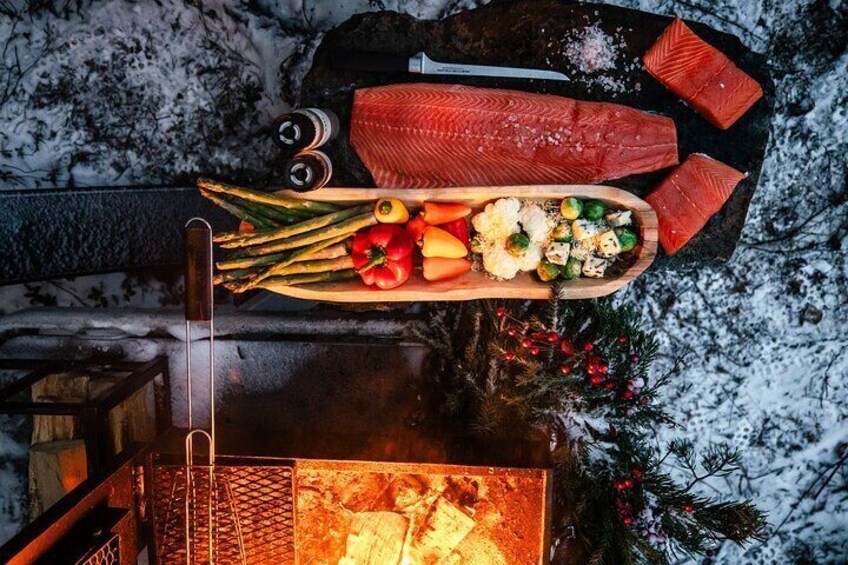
(420,63)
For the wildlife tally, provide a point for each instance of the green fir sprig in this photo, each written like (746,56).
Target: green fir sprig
(580,373)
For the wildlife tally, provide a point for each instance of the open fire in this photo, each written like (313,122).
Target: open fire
(346,512)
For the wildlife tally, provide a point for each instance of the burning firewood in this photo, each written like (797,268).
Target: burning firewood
(375,538)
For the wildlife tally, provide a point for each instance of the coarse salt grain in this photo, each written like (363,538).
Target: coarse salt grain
(591,50)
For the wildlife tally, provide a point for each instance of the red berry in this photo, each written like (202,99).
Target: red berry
(591,368)
(689,508)
(566,347)
(626,395)
(511,331)
(553,337)
(628,483)
(609,386)
(622,339)
(501,312)
(634,358)
(564,369)
(596,380)
(603,368)
(628,520)
(589,346)
(534,350)
(526,342)
(509,355)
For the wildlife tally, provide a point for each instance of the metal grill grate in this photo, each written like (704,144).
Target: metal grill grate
(108,554)
(252,514)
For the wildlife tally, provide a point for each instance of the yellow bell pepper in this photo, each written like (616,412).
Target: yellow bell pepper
(439,243)
(391,211)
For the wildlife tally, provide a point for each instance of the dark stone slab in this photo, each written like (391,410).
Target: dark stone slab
(517,33)
(61,233)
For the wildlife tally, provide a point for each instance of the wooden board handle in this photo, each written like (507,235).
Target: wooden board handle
(198,273)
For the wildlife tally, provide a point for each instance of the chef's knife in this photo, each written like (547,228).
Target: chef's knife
(422,64)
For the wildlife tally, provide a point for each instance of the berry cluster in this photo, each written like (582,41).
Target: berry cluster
(573,359)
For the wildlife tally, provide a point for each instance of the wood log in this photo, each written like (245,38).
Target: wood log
(443,528)
(129,422)
(375,538)
(59,387)
(477,548)
(55,468)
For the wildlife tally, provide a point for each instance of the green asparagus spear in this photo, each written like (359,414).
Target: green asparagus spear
(328,276)
(331,252)
(301,267)
(266,198)
(292,258)
(239,212)
(347,227)
(280,216)
(235,275)
(232,240)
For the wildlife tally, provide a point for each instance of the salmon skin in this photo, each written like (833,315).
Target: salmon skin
(690,196)
(433,135)
(701,75)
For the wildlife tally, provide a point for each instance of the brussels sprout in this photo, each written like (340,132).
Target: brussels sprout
(517,244)
(562,233)
(594,210)
(547,271)
(572,269)
(571,208)
(477,244)
(627,239)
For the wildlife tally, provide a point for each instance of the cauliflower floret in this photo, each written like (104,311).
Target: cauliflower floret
(532,257)
(508,208)
(536,223)
(498,220)
(500,263)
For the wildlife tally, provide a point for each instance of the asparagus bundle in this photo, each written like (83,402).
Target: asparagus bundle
(295,242)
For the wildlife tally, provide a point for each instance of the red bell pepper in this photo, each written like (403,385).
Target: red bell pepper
(459,229)
(415,228)
(382,255)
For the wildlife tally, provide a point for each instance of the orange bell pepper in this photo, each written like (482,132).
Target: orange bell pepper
(439,268)
(439,243)
(436,213)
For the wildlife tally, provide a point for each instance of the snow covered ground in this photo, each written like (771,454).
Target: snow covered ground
(764,336)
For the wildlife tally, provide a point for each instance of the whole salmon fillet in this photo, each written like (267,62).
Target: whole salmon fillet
(434,135)
(701,75)
(689,197)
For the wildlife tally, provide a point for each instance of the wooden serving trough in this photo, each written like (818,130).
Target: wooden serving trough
(475,285)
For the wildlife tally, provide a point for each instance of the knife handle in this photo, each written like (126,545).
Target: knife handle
(371,61)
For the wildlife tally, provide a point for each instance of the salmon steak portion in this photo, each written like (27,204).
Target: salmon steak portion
(435,135)
(689,197)
(701,75)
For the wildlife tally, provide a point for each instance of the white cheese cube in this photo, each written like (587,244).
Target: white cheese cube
(619,219)
(584,248)
(594,267)
(584,229)
(608,244)
(558,253)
